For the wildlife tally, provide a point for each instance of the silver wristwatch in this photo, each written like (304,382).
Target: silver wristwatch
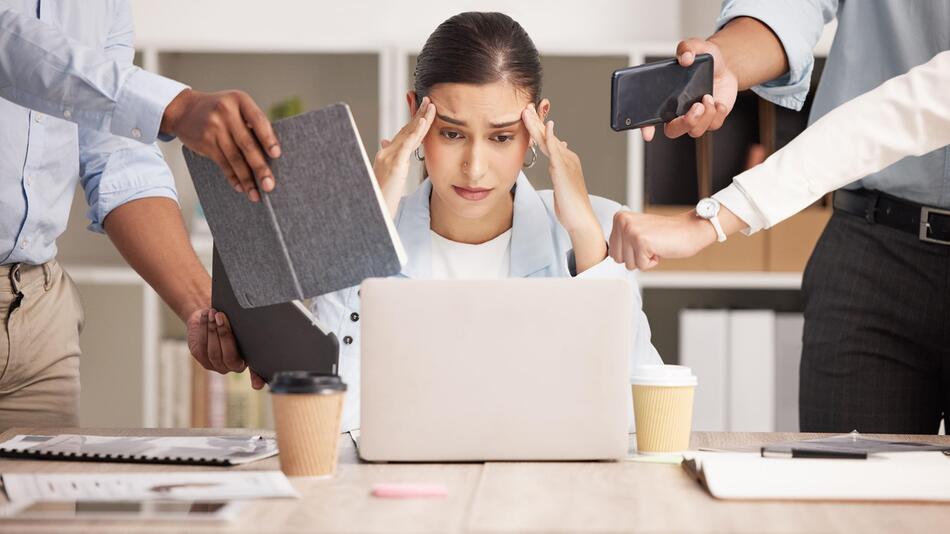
(708,208)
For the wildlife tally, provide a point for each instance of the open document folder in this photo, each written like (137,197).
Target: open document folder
(903,476)
(165,486)
(196,450)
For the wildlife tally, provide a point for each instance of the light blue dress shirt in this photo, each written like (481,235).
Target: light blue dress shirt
(73,109)
(540,248)
(876,40)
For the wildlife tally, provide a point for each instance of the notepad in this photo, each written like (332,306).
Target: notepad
(323,228)
(197,450)
(906,476)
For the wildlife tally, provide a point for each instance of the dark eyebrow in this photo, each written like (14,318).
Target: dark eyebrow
(457,122)
(505,124)
(450,120)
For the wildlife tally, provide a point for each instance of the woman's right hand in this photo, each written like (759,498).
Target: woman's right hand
(391,165)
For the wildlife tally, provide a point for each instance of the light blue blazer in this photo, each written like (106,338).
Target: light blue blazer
(540,247)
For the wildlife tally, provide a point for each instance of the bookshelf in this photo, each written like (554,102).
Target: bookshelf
(720,280)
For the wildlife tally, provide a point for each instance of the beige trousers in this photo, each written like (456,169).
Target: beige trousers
(40,320)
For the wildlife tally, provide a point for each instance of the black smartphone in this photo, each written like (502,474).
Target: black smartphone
(658,92)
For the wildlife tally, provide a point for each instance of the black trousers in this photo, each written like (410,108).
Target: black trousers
(876,353)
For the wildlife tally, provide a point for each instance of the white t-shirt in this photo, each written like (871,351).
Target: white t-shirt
(452,260)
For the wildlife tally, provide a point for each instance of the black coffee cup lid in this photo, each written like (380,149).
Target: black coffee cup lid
(306,382)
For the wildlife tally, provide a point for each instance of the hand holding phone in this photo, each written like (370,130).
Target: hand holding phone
(658,92)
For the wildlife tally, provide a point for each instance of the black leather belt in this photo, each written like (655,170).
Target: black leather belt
(928,224)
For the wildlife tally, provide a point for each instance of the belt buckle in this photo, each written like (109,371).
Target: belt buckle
(924,232)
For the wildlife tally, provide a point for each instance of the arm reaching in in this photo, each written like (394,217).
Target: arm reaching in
(908,115)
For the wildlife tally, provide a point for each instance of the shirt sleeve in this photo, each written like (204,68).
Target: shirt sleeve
(738,203)
(43,69)
(908,115)
(798,24)
(114,170)
(643,352)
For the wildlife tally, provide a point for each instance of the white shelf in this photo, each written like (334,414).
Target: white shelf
(720,280)
(104,274)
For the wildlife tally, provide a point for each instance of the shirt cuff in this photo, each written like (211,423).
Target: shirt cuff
(735,199)
(607,268)
(141,104)
(790,89)
(110,201)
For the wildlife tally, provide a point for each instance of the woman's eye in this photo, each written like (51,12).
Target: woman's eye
(451,134)
(503,138)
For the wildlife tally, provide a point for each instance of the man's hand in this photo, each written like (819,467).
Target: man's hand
(229,128)
(211,342)
(712,111)
(640,241)
(745,53)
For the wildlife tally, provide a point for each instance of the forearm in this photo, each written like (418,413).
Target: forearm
(590,248)
(908,115)
(392,194)
(151,236)
(752,51)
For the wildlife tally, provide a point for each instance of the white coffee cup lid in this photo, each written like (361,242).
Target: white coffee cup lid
(663,375)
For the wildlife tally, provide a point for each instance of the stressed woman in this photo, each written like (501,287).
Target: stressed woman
(477,119)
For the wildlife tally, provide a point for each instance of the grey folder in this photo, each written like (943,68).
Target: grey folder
(324,226)
(281,337)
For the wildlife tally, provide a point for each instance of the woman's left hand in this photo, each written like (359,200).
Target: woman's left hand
(571,201)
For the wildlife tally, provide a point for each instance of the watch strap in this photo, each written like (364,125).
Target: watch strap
(720,235)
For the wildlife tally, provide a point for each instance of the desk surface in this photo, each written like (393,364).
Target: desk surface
(517,497)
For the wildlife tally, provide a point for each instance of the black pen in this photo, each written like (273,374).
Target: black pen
(810,453)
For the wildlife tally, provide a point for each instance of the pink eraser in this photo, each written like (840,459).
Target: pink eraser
(408,491)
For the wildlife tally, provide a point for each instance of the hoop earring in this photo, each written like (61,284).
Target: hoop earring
(418,156)
(534,157)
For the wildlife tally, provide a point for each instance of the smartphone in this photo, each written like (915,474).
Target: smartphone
(658,92)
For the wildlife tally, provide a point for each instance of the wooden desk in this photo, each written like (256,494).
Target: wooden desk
(517,497)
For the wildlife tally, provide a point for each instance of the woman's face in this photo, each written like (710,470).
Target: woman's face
(476,145)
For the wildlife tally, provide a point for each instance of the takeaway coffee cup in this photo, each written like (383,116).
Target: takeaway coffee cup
(307,412)
(663,407)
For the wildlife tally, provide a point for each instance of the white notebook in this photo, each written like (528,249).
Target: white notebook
(901,476)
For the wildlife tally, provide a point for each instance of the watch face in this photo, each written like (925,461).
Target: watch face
(707,208)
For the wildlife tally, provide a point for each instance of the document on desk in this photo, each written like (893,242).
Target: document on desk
(190,486)
(199,450)
(905,476)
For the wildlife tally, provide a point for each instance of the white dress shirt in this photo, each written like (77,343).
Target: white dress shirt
(908,115)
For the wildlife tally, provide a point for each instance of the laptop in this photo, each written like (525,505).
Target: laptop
(514,369)
(278,337)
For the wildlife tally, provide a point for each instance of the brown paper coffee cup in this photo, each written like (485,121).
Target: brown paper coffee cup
(307,420)
(663,408)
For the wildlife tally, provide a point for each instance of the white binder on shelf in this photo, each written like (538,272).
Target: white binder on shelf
(752,371)
(788,354)
(704,347)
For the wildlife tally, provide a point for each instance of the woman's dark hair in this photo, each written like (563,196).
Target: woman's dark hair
(479,48)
